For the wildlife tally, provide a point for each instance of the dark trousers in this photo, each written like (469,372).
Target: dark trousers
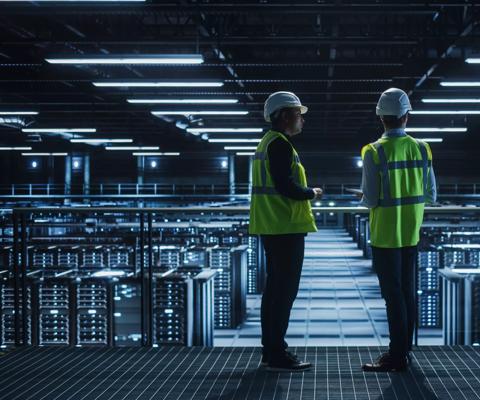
(395,269)
(284,256)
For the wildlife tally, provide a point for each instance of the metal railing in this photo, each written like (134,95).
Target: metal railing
(162,190)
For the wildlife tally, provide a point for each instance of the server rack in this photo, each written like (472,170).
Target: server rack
(429,289)
(172,301)
(7,313)
(461,306)
(230,285)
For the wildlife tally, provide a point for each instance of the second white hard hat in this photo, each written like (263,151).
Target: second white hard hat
(279,100)
(393,102)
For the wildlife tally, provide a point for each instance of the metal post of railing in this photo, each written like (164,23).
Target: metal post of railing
(142,278)
(16,282)
(24,262)
(119,189)
(155,189)
(30,189)
(150,281)
(136,189)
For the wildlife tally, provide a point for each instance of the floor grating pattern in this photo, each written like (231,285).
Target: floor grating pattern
(230,373)
(338,303)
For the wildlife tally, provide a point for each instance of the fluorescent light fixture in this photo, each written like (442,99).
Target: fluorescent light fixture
(460,84)
(359,163)
(432,140)
(234,140)
(108,273)
(192,112)
(182,101)
(15,148)
(158,84)
(18,112)
(45,154)
(132,148)
(224,164)
(473,60)
(446,112)
(435,129)
(451,100)
(155,154)
(245,153)
(75,1)
(59,130)
(132,59)
(34,164)
(240,148)
(197,131)
(95,141)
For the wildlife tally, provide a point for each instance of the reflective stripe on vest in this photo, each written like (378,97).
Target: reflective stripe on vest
(262,156)
(385,166)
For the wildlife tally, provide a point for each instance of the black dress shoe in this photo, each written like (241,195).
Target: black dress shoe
(385,363)
(288,362)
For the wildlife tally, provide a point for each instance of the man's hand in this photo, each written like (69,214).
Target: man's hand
(318,193)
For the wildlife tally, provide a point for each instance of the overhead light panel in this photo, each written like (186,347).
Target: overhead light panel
(473,60)
(460,84)
(158,84)
(451,100)
(45,154)
(131,148)
(99,141)
(15,148)
(446,112)
(182,101)
(132,60)
(197,131)
(75,1)
(435,129)
(192,112)
(240,148)
(234,140)
(18,112)
(245,153)
(156,154)
(59,130)
(431,140)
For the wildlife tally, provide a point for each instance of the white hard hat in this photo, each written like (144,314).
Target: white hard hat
(393,102)
(279,100)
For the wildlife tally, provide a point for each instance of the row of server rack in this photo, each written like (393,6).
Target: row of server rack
(449,242)
(94,283)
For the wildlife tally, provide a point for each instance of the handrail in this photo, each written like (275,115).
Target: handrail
(194,189)
(215,209)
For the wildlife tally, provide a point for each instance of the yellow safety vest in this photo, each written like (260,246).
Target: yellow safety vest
(270,212)
(403,165)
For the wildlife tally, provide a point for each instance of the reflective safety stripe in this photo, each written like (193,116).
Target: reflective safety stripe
(385,166)
(404,201)
(263,190)
(407,164)
(423,150)
(383,170)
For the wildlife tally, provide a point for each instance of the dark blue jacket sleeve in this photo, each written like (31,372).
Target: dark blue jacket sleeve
(280,157)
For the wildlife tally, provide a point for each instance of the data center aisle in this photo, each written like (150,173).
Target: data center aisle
(338,304)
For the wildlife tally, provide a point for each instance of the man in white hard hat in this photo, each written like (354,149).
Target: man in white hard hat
(398,180)
(280,212)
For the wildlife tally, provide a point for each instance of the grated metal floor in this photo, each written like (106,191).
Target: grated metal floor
(231,373)
(338,303)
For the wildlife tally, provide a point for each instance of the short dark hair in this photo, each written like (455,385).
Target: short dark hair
(392,121)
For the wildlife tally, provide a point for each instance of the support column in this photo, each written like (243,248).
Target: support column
(231,173)
(140,169)
(250,174)
(86,174)
(68,174)
(51,170)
